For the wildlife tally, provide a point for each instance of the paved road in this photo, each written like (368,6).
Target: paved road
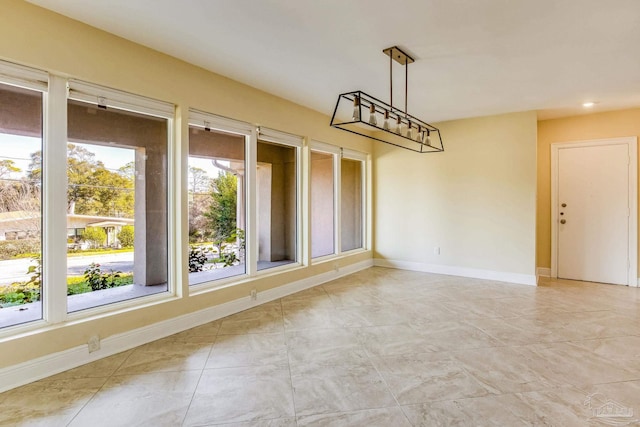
(15,270)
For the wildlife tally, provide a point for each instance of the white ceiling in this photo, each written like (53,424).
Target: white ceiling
(473,57)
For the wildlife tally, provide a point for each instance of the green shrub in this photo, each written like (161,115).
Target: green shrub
(197,258)
(98,280)
(95,235)
(18,248)
(126,236)
(228,257)
(19,293)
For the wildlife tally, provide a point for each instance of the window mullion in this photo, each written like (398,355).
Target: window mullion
(251,234)
(365,203)
(304,215)
(54,183)
(337,182)
(181,212)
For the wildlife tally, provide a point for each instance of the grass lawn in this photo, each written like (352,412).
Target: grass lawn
(98,252)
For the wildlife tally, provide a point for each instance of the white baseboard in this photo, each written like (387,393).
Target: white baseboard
(522,279)
(543,272)
(546,272)
(42,367)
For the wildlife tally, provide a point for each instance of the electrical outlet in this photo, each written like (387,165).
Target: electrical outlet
(436,250)
(94,343)
(336,266)
(254,294)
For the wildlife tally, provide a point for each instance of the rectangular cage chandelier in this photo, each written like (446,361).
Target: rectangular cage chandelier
(365,115)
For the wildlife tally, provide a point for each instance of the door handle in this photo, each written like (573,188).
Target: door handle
(563,221)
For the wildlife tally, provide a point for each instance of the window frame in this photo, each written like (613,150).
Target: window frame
(363,158)
(338,154)
(297,142)
(108,97)
(334,151)
(25,77)
(204,120)
(12,74)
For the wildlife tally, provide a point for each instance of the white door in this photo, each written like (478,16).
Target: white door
(593,213)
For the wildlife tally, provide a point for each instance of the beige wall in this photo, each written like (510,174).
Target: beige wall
(476,201)
(322,200)
(351,204)
(279,231)
(578,128)
(33,36)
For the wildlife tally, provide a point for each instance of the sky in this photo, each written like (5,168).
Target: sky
(18,149)
(206,164)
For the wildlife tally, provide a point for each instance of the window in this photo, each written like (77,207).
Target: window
(117,187)
(217,214)
(231,173)
(337,209)
(351,204)
(277,199)
(21,118)
(322,204)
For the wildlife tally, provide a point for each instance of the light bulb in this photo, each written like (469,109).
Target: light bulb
(398,126)
(427,139)
(385,125)
(410,131)
(356,109)
(373,120)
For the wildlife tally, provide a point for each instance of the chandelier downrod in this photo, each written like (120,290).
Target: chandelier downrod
(396,54)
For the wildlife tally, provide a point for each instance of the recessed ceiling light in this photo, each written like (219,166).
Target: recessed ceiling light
(588,104)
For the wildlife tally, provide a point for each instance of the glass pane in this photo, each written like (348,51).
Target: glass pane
(322,205)
(276,204)
(20,205)
(351,204)
(216,205)
(117,206)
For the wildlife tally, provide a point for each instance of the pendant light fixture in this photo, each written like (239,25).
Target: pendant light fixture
(409,132)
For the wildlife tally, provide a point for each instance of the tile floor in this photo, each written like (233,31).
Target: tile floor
(381,347)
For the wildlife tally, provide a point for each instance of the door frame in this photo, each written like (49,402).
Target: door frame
(632,143)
